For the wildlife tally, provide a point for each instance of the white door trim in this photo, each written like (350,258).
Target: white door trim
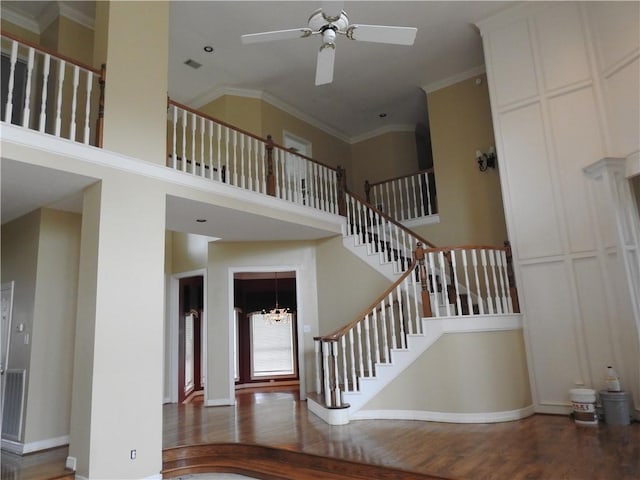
(299,323)
(174,305)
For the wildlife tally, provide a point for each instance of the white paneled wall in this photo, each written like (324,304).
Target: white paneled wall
(564,81)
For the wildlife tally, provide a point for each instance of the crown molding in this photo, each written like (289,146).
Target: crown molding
(214,94)
(211,95)
(381,131)
(47,16)
(67,10)
(21,20)
(459,77)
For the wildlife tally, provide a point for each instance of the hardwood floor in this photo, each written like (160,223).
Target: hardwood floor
(276,423)
(539,447)
(46,465)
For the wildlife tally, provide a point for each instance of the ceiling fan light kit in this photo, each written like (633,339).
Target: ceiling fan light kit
(329,26)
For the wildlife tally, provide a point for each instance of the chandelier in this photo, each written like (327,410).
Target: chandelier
(277,315)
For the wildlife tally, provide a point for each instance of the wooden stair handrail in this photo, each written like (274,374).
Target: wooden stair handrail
(244,132)
(419,238)
(400,177)
(334,336)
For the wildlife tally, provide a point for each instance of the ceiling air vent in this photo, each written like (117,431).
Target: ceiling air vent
(193,64)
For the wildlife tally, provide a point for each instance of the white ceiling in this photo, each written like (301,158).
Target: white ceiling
(369,78)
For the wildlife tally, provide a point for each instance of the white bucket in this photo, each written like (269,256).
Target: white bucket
(583,401)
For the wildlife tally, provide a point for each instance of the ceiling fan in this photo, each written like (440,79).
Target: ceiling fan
(329,22)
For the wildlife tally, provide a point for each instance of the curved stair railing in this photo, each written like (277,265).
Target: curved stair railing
(355,350)
(432,282)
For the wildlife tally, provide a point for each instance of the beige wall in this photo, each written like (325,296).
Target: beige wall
(75,40)
(346,285)
(20,240)
(187,252)
(117,396)
(261,118)
(260,256)
(469,201)
(20,32)
(52,341)
(383,157)
(135,115)
(462,373)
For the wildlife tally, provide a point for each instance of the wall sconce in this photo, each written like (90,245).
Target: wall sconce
(486,160)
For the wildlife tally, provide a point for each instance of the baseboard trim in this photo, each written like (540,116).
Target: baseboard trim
(332,416)
(24,448)
(220,402)
(446,417)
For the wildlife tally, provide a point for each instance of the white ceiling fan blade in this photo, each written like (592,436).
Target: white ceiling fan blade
(382,34)
(276,35)
(324,66)
(332,8)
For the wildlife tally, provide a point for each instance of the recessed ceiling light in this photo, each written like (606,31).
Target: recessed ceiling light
(193,64)
(201,220)
(382,115)
(208,49)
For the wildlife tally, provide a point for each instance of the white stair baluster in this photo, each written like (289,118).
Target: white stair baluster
(184,140)
(87,113)
(463,253)
(62,67)
(336,380)
(318,359)
(376,341)
(367,339)
(326,346)
(474,261)
(483,258)
(352,358)
(8,112)
(210,131)
(74,102)
(443,278)
(45,84)
(392,323)
(385,337)
(431,267)
(492,262)
(403,316)
(421,180)
(345,371)
(26,112)
(415,279)
(360,353)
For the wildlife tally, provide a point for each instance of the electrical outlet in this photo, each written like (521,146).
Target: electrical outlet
(133,454)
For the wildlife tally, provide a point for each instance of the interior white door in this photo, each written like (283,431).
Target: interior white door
(296,168)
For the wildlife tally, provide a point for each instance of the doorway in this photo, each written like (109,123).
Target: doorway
(190,336)
(266,344)
(296,167)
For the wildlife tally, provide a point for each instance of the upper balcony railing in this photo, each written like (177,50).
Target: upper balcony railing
(48,92)
(404,198)
(205,147)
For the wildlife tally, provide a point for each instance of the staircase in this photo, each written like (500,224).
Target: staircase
(433,291)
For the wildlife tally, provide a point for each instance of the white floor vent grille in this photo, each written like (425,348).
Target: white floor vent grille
(13,406)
